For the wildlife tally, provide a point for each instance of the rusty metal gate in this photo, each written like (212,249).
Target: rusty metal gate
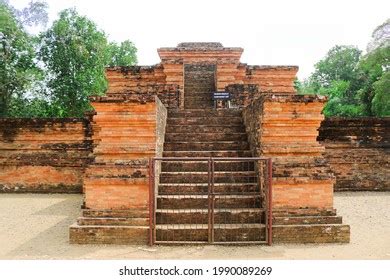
(210,200)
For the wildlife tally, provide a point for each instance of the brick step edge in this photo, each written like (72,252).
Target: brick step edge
(89,213)
(306,220)
(119,235)
(298,234)
(301,234)
(105,221)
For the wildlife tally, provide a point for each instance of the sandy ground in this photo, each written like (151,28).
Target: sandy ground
(35,226)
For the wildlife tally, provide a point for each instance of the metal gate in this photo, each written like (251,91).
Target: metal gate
(210,200)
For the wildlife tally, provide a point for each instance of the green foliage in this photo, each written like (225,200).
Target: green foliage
(372,67)
(123,54)
(305,87)
(17,68)
(381,101)
(339,64)
(340,104)
(35,107)
(53,74)
(75,54)
(355,85)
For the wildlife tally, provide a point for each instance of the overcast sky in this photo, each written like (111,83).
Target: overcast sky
(272,32)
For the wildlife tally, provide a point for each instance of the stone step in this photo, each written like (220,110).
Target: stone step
(304,220)
(206,146)
(205,121)
(198,105)
(207,153)
(297,212)
(315,233)
(108,234)
(199,77)
(167,166)
(194,75)
(200,93)
(201,201)
(206,128)
(88,213)
(201,90)
(199,81)
(183,113)
(199,233)
(206,84)
(191,188)
(202,177)
(187,137)
(113,221)
(201,216)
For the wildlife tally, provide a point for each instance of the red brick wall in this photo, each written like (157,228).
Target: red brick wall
(43,155)
(160,79)
(358,152)
(126,134)
(284,127)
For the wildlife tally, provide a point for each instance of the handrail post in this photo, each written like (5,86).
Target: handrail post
(151,202)
(269,201)
(209,200)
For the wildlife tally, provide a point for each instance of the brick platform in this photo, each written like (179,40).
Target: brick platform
(131,125)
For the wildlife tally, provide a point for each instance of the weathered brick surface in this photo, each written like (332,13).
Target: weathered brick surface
(168,78)
(128,130)
(358,151)
(284,127)
(314,233)
(126,134)
(120,235)
(199,83)
(44,155)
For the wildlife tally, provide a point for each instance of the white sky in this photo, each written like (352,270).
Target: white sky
(272,32)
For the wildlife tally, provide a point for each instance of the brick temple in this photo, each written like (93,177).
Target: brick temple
(167,111)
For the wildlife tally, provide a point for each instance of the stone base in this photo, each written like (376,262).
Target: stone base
(302,234)
(108,234)
(298,226)
(306,225)
(111,227)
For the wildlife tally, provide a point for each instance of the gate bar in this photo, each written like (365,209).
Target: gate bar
(209,201)
(212,196)
(269,201)
(152,209)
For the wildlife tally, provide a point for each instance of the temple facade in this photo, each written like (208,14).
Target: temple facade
(172,164)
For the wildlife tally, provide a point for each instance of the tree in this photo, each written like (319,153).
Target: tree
(337,76)
(75,53)
(339,104)
(16,59)
(381,101)
(380,37)
(374,67)
(123,54)
(339,64)
(33,15)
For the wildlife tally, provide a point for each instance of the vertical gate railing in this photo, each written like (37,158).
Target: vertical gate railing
(210,200)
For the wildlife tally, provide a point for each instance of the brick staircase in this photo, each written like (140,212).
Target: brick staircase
(199,83)
(182,199)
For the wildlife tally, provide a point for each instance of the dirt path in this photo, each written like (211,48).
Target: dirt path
(35,226)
